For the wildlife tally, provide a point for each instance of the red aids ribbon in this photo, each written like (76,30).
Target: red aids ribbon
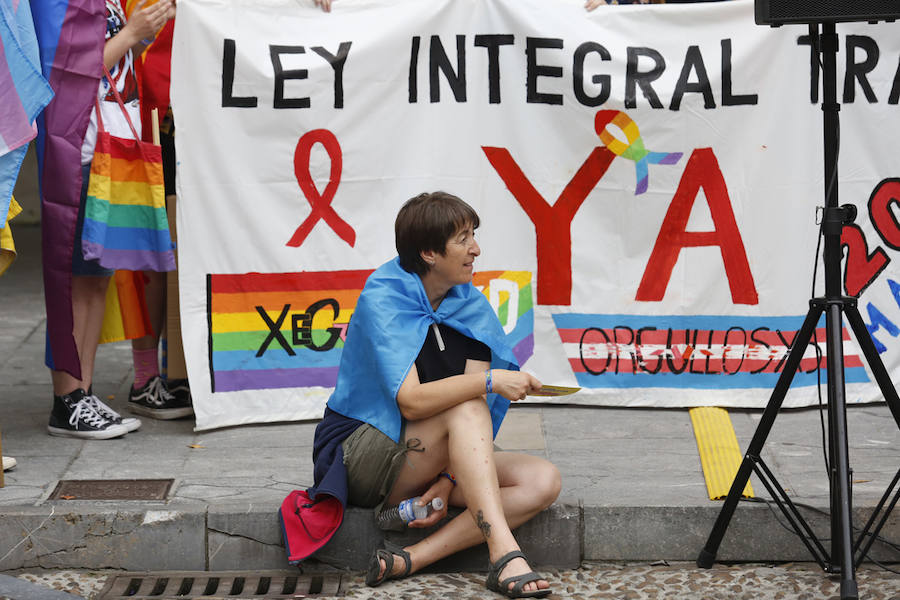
(320,203)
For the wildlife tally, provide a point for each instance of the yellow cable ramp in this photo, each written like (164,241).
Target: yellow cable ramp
(720,455)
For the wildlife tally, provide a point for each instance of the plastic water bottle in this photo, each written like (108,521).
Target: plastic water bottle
(408,510)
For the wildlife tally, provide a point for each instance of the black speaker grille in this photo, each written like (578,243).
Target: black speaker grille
(776,12)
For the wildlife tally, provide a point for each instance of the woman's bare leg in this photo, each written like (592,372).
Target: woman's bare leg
(501,490)
(528,485)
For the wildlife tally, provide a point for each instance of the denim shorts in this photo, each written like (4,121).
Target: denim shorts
(80,266)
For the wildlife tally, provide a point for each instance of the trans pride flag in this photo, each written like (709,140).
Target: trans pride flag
(70,35)
(23,93)
(696,351)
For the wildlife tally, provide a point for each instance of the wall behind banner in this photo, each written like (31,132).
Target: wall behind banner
(647,179)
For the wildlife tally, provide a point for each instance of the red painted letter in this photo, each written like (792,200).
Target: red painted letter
(702,170)
(886,195)
(552,223)
(861,267)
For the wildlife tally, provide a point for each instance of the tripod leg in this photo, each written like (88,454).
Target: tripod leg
(875,363)
(841,535)
(889,393)
(792,363)
(868,530)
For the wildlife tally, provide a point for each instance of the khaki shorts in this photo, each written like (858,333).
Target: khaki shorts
(373,462)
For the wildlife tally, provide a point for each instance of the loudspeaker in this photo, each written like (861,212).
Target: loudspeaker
(783,12)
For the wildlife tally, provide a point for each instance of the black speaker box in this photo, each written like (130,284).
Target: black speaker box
(783,12)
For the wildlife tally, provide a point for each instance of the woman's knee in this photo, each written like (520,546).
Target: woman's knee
(90,286)
(469,413)
(547,483)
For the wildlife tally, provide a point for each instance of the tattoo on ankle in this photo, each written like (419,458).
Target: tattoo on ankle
(483,525)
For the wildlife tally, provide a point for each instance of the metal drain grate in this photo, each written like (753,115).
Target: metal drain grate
(111,489)
(182,585)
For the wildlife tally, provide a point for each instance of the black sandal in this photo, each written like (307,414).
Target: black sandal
(520,581)
(386,553)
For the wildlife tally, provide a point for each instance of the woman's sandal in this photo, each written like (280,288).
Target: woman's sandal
(502,587)
(386,553)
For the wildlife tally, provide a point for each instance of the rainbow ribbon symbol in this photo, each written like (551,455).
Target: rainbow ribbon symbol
(634,149)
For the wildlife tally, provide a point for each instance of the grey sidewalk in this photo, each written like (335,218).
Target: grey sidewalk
(633,488)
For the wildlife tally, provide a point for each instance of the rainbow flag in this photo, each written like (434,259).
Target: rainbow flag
(154,71)
(126,316)
(154,75)
(279,330)
(23,93)
(70,34)
(7,244)
(510,295)
(285,330)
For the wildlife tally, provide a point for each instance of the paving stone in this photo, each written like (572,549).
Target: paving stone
(589,581)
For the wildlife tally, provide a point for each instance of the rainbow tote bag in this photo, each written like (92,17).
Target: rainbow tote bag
(125,224)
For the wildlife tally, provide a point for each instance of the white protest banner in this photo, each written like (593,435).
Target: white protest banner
(647,179)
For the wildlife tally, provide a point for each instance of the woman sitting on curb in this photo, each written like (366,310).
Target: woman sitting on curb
(425,379)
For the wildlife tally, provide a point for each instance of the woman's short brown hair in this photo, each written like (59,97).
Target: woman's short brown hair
(427,222)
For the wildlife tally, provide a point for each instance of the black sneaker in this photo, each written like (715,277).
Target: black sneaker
(180,388)
(73,415)
(130,423)
(154,400)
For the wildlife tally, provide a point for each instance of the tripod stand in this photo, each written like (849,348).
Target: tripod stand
(833,305)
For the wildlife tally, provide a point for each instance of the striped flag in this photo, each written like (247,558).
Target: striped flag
(70,35)
(699,352)
(279,330)
(154,71)
(23,93)
(154,75)
(284,330)
(7,244)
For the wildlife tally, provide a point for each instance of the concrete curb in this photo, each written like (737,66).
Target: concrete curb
(248,536)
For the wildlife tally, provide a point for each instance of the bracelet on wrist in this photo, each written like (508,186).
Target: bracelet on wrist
(488,382)
(448,476)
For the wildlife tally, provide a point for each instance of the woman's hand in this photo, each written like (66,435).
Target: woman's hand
(514,385)
(439,489)
(592,4)
(146,21)
(139,30)
(325,5)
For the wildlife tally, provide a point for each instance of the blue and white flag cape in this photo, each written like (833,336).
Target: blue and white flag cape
(386,333)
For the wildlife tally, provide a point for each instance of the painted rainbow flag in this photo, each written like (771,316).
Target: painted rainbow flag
(287,330)
(510,294)
(279,330)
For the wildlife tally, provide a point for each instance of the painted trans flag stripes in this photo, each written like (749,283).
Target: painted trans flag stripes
(701,352)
